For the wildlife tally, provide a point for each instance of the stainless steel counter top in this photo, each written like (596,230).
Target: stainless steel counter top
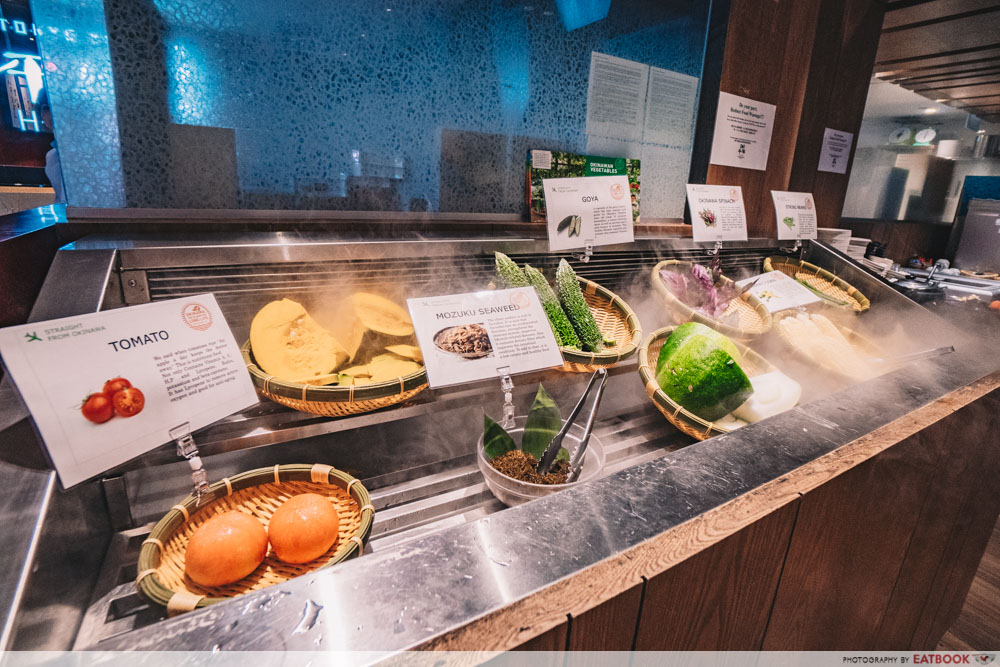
(398,599)
(418,589)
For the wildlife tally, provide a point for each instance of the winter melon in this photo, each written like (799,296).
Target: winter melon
(288,344)
(699,372)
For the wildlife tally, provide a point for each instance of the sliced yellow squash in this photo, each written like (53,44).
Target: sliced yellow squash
(381,315)
(290,345)
(411,352)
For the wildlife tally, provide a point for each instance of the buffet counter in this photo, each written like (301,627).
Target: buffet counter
(869,503)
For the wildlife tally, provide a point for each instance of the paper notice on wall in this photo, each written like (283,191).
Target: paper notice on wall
(795,213)
(477,336)
(638,111)
(616,96)
(836,151)
(670,108)
(594,210)
(742,132)
(664,172)
(717,212)
(179,357)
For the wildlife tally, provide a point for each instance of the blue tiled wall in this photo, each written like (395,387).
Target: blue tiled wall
(334,104)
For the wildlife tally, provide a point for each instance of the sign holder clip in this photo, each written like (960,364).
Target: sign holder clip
(588,252)
(507,387)
(187,449)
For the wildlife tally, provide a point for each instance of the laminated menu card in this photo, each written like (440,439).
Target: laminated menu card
(105,387)
(481,335)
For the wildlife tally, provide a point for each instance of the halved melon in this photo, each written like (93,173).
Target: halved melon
(291,345)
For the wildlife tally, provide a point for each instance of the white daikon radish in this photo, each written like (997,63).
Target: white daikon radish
(773,393)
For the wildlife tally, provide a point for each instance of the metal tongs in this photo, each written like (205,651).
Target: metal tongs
(576,463)
(916,356)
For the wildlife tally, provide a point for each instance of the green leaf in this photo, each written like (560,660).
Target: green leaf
(562,454)
(823,295)
(496,441)
(544,421)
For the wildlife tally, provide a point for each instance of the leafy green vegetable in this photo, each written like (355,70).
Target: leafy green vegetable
(823,295)
(496,441)
(544,421)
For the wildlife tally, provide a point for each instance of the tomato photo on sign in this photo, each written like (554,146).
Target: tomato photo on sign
(128,402)
(114,385)
(97,408)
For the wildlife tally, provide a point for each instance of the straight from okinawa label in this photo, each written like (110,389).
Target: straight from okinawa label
(106,387)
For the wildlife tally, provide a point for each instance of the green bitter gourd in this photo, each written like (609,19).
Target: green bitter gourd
(561,327)
(571,298)
(509,274)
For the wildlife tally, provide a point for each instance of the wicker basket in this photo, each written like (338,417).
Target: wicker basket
(861,343)
(333,401)
(258,493)
(615,320)
(688,422)
(754,318)
(820,280)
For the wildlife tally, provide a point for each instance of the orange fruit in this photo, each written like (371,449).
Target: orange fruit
(303,528)
(224,549)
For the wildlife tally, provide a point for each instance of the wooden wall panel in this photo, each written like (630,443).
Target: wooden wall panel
(845,104)
(904,239)
(553,640)
(847,550)
(812,59)
(609,626)
(720,598)
(959,510)
(767,59)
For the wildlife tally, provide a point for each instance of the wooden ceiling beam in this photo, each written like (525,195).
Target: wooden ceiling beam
(939,54)
(943,19)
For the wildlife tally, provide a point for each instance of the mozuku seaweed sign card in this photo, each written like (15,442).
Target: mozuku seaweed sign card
(476,336)
(106,387)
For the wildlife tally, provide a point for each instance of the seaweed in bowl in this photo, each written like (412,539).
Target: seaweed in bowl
(509,470)
(470,341)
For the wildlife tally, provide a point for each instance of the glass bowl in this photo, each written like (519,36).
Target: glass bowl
(512,492)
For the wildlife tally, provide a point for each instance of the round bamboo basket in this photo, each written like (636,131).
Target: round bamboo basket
(859,342)
(259,493)
(615,320)
(820,280)
(754,318)
(333,401)
(688,422)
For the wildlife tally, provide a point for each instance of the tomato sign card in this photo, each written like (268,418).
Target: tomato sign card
(106,387)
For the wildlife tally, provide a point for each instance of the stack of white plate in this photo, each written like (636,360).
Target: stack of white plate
(857,247)
(838,238)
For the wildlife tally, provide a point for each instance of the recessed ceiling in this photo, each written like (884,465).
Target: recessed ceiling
(944,50)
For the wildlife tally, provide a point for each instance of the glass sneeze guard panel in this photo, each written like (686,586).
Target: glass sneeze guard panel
(397,106)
